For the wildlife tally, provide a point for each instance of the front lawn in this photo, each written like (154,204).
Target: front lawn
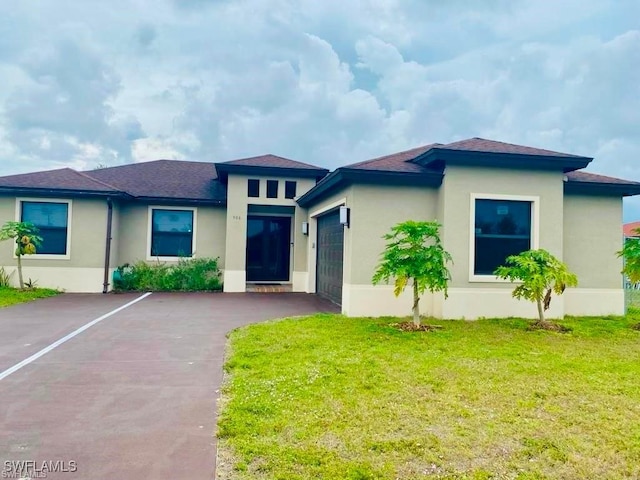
(329,397)
(11,296)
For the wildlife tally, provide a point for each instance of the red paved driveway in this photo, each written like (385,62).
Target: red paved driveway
(132,397)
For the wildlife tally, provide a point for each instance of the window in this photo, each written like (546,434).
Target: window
(272,188)
(171,233)
(289,189)
(253,188)
(52,220)
(501,228)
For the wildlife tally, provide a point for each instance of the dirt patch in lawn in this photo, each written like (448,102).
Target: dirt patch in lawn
(412,327)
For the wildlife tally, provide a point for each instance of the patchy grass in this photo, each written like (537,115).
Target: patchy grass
(329,397)
(12,296)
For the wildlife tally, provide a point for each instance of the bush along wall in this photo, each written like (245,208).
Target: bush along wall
(188,275)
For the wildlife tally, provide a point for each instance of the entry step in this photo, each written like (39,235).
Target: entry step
(268,288)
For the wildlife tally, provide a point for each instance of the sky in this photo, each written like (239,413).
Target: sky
(88,83)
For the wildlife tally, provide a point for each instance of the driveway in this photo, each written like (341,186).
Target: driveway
(131,396)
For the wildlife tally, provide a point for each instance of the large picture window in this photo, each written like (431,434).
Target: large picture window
(502,228)
(52,220)
(171,233)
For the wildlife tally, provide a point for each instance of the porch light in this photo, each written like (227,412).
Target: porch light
(305,228)
(345,214)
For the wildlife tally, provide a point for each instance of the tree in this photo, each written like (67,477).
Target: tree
(631,254)
(414,253)
(541,275)
(27,240)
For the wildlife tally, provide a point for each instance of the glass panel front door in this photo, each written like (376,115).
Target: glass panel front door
(268,249)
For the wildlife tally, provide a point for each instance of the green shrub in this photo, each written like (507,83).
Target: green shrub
(188,275)
(5,278)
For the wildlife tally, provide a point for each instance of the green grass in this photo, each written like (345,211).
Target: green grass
(329,397)
(12,296)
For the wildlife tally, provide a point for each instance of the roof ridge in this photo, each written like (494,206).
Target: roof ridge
(100,182)
(365,162)
(271,155)
(39,171)
(509,144)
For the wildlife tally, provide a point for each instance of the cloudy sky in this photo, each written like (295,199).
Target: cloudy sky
(87,82)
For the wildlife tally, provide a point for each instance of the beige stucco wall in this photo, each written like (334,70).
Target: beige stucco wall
(375,209)
(470,297)
(83,270)
(458,185)
(134,230)
(592,236)
(236,228)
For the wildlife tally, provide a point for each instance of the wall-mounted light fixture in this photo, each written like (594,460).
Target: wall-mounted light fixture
(305,228)
(345,214)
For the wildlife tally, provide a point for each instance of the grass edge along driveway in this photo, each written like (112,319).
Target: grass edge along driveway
(14,296)
(330,397)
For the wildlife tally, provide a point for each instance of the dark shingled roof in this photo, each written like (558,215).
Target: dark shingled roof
(397,162)
(172,179)
(586,177)
(61,179)
(272,161)
(477,144)
(200,182)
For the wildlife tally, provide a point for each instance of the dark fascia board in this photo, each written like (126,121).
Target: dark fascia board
(438,157)
(60,192)
(346,176)
(180,201)
(224,170)
(603,189)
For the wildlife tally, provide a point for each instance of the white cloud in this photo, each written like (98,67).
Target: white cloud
(324,82)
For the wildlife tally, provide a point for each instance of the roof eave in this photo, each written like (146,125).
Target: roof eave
(437,157)
(604,189)
(224,169)
(60,192)
(343,177)
(180,201)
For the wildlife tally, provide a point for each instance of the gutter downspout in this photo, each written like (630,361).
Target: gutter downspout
(107,252)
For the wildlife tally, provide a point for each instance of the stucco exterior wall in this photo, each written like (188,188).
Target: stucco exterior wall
(133,232)
(472,298)
(83,270)
(592,236)
(236,228)
(375,209)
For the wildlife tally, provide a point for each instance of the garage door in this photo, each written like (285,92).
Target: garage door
(330,256)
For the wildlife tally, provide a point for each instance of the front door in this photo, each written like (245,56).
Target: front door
(268,249)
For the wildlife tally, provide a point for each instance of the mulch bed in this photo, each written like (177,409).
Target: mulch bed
(550,326)
(411,327)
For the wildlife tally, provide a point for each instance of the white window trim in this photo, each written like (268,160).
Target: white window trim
(150,232)
(535,229)
(47,256)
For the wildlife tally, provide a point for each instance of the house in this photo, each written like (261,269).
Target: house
(629,230)
(274,220)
